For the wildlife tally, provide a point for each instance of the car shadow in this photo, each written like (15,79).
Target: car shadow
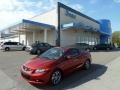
(77,78)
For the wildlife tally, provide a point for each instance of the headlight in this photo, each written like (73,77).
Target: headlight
(40,70)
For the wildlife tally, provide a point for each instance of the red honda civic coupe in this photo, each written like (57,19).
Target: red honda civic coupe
(53,64)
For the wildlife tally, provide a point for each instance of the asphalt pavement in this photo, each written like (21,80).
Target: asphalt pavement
(11,61)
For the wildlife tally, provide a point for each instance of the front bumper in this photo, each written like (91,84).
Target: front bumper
(39,78)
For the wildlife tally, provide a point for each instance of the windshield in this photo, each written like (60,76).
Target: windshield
(54,53)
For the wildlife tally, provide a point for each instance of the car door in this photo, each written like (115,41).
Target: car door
(12,45)
(99,47)
(19,46)
(46,46)
(78,58)
(41,47)
(103,46)
(69,64)
(15,45)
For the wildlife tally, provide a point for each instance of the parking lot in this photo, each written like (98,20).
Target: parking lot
(11,61)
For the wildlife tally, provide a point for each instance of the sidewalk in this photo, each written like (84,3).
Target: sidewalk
(108,81)
(6,83)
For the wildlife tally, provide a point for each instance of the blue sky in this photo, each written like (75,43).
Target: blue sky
(12,11)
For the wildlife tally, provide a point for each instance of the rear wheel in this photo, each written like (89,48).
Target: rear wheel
(24,48)
(7,49)
(56,77)
(87,64)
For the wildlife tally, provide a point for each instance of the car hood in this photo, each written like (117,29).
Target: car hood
(38,62)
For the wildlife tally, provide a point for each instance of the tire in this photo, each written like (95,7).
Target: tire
(108,48)
(87,64)
(7,49)
(24,48)
(38,52)
(56,77)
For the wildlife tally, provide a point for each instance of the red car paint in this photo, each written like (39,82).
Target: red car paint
(65,65)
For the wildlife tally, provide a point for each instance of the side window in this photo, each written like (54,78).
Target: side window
(75,52)
(72,52)
(19,43)
(46,44)
(40,45)
(14,43)
(7,43)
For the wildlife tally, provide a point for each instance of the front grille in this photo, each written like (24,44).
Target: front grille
(25,75)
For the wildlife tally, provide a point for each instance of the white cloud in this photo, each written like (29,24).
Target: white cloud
(116,1)
(78,7)
(12,11)
(53,3)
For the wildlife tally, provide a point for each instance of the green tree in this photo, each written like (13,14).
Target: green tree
(116,37)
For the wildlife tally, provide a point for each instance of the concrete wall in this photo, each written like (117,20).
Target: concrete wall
(39,36)
(47,18)
(68,37)
(22,38)
(51,37)
(71,36)
(13,39)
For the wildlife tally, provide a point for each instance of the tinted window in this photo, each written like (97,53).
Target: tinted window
(8,43)
(20,43)
(14,43)
(40,44)
(46,44)
(72,52)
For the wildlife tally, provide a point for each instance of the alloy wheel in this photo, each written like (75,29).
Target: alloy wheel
(56,77)
(87,64)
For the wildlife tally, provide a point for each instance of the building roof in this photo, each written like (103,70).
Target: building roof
(37,23)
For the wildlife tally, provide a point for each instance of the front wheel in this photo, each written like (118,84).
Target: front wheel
(87,64)
(7,49)
(56,77)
